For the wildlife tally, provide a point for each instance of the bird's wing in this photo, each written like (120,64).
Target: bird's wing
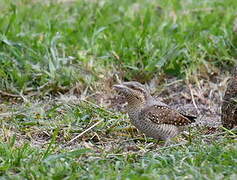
(164,115)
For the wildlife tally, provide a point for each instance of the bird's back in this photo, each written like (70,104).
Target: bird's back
(159,121)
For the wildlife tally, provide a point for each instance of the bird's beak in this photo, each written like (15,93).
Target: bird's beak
(121,88)
(118,86)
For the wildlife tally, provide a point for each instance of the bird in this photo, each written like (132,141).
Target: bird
(229,104)
(151,116)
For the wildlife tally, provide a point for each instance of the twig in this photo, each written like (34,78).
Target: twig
(192,96)
(88,129)
(14,95)
(23,97)
(9,94)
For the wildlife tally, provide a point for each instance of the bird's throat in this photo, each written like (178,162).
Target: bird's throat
(134,108)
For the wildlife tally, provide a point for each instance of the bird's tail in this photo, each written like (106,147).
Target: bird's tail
(190,117)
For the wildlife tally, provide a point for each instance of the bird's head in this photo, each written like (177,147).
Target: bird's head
(134,92)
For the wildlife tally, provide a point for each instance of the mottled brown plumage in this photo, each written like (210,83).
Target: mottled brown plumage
(164,115)
(229,105)
(150,116)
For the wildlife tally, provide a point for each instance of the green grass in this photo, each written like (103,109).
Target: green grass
(191,162)
(35,145)
(58,43)
(47,48)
